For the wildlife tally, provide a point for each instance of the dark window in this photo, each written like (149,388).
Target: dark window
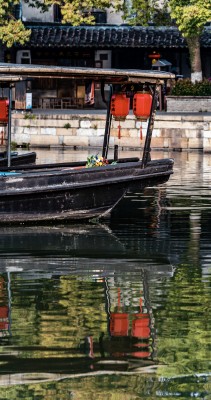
(17,11)
(57,13)
(100,17)
(103,57)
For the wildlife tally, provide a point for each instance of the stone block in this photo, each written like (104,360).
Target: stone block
(85,132)
(207,134)
(23,138)
(130,124)
(195,143)
(30,131)
(166,143)
(98,132)
(17,130)
(135,133)
(184,143)
(206,126)
(66,132)
(168,125)
(44,140)
(167,117)
(98,124)
(48,131)
(139,124)
(157,143)
(96,142)
(81,141)
(156,133)
(85,124)
(192,118)
(128,142)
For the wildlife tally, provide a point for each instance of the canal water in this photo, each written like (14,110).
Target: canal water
(115,309)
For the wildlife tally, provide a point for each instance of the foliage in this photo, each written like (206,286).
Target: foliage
(29,116)
(96,161)
(11,30)
(67,125)
(190,15)
(187,88)
(75,12)
(142,12)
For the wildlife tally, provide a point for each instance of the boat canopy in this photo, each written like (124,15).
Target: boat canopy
(10,79)
(111,76)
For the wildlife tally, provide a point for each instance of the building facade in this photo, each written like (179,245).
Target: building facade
(108,44)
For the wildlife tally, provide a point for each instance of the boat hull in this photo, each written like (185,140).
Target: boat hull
(72,194)
(17,159)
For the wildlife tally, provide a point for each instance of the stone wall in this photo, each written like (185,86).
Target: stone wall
(171,131)
(188,104)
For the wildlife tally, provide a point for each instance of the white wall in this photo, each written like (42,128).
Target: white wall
(30,14)
(114,18)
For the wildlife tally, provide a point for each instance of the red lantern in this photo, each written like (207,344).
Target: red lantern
(142,103)
(4,110)
(120,106)
(154,57)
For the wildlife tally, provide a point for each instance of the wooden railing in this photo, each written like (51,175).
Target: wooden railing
(57,103)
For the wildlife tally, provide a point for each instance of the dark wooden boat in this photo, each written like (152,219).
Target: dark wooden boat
(17,158)
(70,191)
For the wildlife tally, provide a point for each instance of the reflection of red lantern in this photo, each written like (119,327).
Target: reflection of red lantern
(141,326)
(4,312)
(119,324)
(141,354)
(142,103)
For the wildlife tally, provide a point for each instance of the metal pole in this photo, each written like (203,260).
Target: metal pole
(107,126)
(9,128)
(147,149)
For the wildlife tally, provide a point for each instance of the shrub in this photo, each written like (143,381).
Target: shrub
(29,116)
(187,88)
(67,126)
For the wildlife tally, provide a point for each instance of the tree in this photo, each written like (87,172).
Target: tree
(12,30)
(190,17)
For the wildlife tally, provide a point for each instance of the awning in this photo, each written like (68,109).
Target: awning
(106,75)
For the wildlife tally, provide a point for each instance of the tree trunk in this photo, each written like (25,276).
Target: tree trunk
(195,58)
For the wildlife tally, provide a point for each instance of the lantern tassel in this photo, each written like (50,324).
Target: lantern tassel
(141,133)
(2,137)
(119,131)
(119,299)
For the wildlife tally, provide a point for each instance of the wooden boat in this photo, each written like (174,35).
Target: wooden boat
(17,158)
(70,191)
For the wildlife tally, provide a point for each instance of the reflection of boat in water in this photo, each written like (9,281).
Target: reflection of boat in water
(85,294)
(51,266)
(126,345)
(79,249)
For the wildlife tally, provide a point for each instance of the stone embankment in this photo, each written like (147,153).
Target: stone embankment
(172,131)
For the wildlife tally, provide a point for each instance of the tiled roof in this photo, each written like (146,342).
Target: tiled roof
(109,36)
